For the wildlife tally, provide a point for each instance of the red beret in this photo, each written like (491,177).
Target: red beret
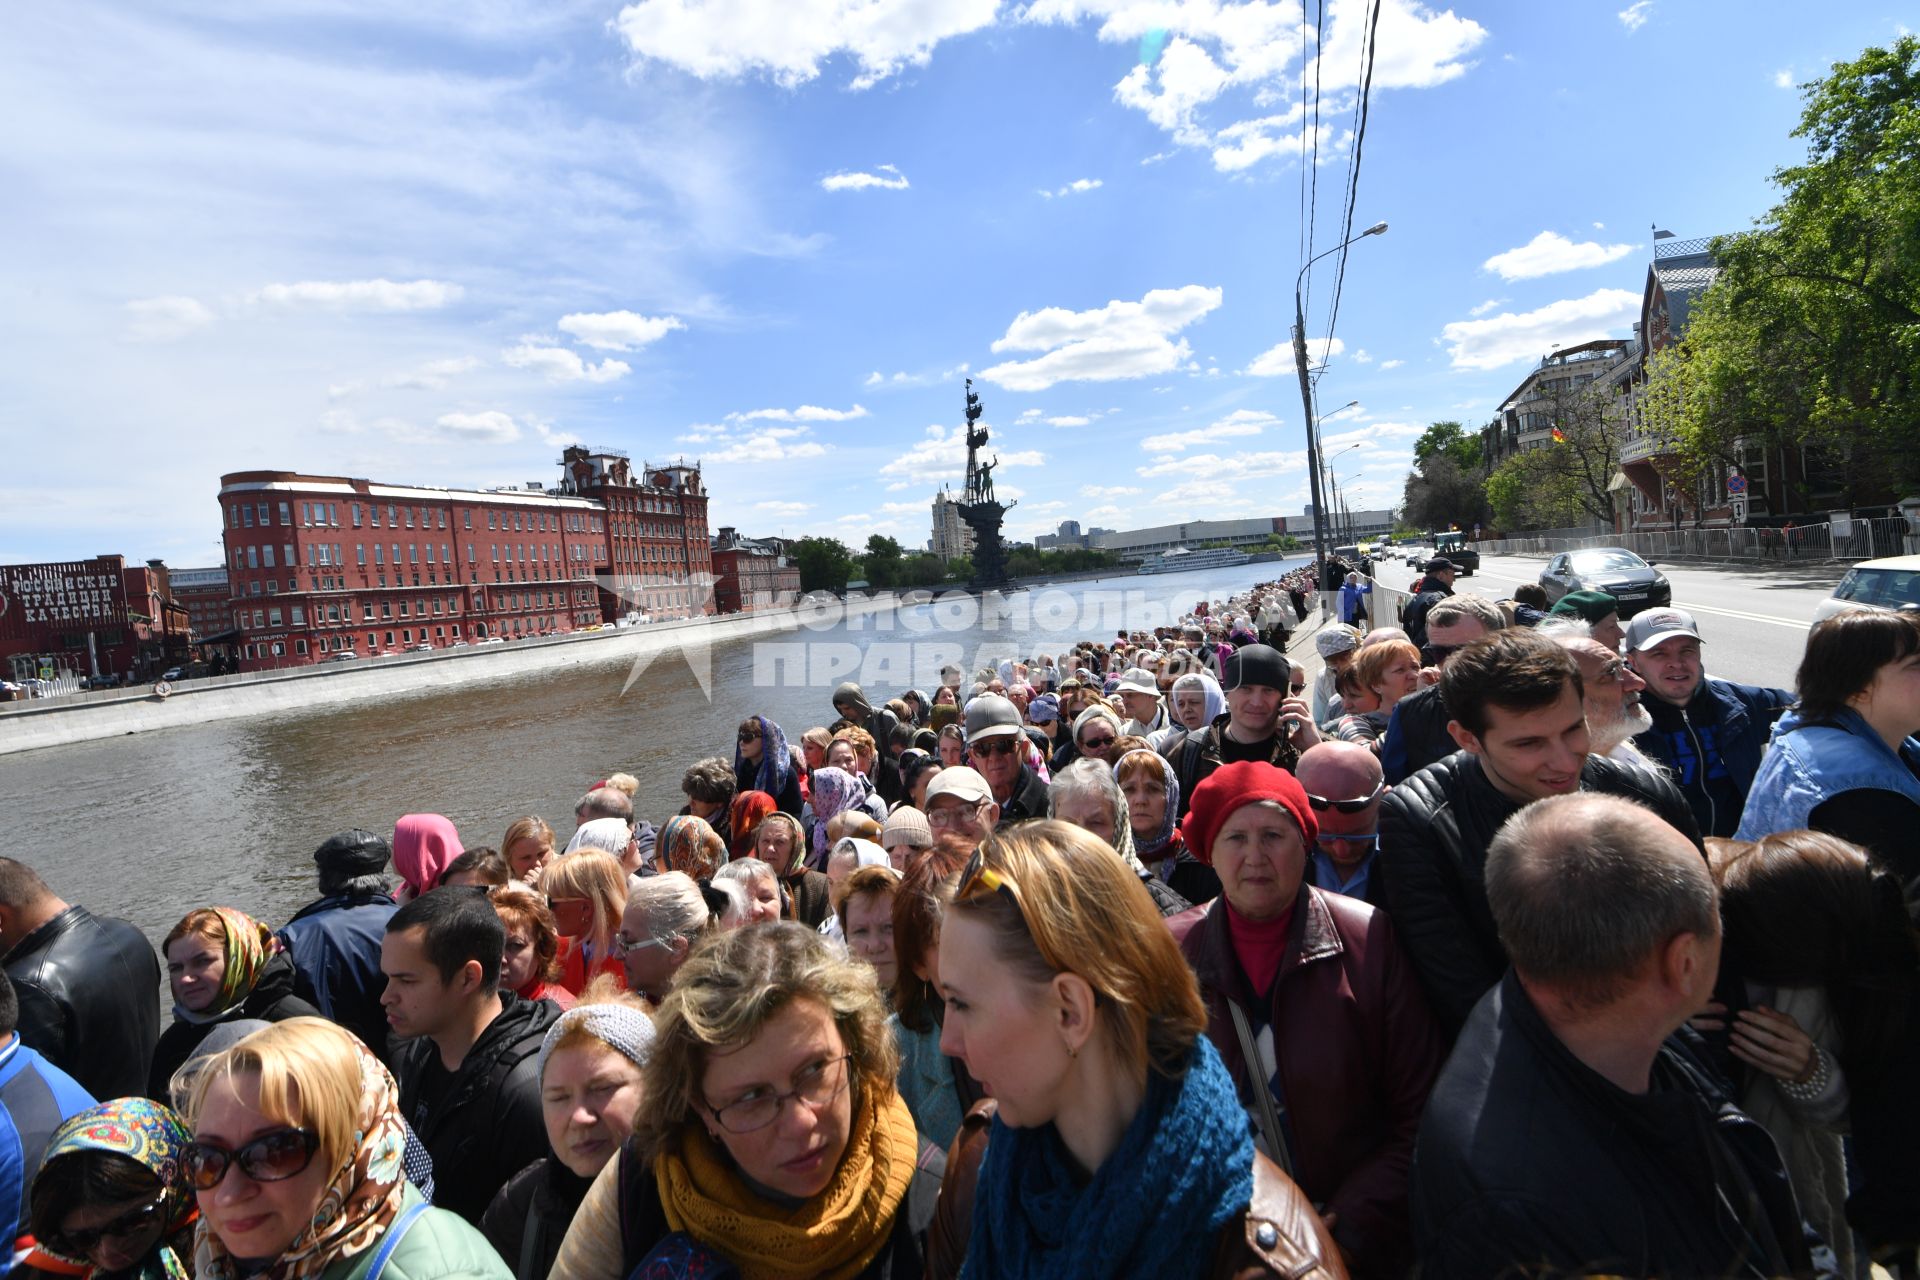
(1232,786)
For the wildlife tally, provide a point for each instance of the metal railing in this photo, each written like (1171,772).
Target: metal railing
(1857,540)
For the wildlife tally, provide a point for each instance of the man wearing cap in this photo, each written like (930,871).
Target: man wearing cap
(335,942)
(1265,720)
(1336,644)
(1598,610)
(996,747)
(961,807)
(1436,586)
(1140,694)
(1710,734)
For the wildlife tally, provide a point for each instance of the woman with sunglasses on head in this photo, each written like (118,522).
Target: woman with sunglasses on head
(769,1138)
(108,1199)
(1112,1144)
(296,1165)
(1314,1009)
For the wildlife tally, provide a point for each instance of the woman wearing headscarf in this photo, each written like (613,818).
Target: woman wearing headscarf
(783,847)
(689,844)
(750,809)
(424,845)
(762,762)
(312,1121)
(223,966)
(834,792)
(1086,795)
(1196,701)
(1152,791)
(108,1199)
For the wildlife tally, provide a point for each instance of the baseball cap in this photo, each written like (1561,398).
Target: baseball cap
(1655,625)
(961,781)
(1439,563)
(990,716)
(1138,680)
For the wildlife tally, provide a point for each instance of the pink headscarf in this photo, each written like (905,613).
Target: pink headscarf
(424,845)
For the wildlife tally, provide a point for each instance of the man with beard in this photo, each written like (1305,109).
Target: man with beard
(1611,696)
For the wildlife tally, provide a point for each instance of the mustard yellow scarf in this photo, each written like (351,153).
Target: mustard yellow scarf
(834,1235)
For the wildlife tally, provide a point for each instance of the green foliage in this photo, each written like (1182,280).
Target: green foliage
(825,564)
(1810,334)
(1027,562)
(1442,491)
(1451,439)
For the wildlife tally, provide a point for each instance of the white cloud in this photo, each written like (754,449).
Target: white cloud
(1361,357)
(805,413)
(1240,466)
(1506,338)
(1068,420)
(618,330)
(431,376)
(1484,307)
(1390,364)
(490,427)
(784,508)
(887,178)
(1635,15)
(1107,490)
(1241,422)
(905,379)
(362,295)
(1783,78)
(166,318)
(1078,186)
(558,364)
(1119,340)
(1028,415)
(1279,360)
(1550,253)
(941,454)
(787,40)
(767,446)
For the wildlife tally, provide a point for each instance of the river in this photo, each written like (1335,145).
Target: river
(152,825)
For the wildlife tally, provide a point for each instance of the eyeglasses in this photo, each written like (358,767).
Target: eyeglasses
(1298,688)
(271,1157)
(1436,655)
(79,1243)
(814,1088)
(1097,744)
(1328,837)
(622,944)
(1322,804)
(978,877)
(954,815)
(1000,745)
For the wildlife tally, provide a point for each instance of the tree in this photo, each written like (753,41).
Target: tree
(1567,481)
(1810,333)
(825,564)
(1446,487)
(882,564)
(1451,439)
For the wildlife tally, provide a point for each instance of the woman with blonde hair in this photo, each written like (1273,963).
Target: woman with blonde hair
(769,1137)
(296,1165)
(528,846)
(1116,1144)
(587,893)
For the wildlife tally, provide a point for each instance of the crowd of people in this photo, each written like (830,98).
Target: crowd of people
(1511,943)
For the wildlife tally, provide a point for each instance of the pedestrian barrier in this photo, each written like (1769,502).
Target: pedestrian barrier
(1854,539)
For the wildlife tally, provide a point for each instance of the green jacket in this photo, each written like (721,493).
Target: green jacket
(438,1246)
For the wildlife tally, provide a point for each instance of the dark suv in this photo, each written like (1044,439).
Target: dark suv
(1455,547)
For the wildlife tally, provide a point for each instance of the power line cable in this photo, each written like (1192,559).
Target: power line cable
(1353,181)
(1313,199)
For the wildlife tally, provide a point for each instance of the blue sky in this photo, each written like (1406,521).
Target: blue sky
(435,242)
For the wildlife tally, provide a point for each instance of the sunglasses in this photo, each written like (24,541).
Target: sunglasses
(1322,804)
(1298,688)
(271,1157)
(997,746)
(1097,744)
(978,877)
(748,735)
(79,1243)
(1435,655)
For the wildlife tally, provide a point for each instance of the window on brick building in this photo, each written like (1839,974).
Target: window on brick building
(273,617)
(246,516)
(360,554)
(356,515)
(413,553)
(299,614)
(260,509)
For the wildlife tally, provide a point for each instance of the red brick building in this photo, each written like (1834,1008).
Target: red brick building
(325,565)
(89,618)
(204,593)
(749,576)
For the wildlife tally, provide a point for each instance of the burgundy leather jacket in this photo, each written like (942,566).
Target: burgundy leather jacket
(1358,1053)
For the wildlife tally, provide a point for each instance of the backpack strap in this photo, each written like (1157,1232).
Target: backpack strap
(391,1241)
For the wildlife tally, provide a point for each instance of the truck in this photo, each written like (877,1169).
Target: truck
(1454,546)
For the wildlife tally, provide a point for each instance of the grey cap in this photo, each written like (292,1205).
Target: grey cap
(990,716)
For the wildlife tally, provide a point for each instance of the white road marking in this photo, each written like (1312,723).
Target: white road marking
(1795,623)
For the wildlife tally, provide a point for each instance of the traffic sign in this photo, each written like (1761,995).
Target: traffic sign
(1736,484)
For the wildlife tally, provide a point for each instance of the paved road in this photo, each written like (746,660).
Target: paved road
(1754,619)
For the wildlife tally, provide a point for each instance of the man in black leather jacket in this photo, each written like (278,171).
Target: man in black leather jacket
(1521,725)
(1576,1129)
(89,986)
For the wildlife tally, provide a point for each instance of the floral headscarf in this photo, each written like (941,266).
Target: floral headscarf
(1157,846)
(750,809)
(834,792)
(688,843)
(362,1200)
(424,845)
(775,769)
(154,1138)
(249,945)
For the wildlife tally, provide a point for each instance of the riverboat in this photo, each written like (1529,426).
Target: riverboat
(1181,560)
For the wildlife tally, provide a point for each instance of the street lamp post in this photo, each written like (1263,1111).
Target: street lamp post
(1306,402)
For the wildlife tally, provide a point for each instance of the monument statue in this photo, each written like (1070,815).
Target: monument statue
(981,510)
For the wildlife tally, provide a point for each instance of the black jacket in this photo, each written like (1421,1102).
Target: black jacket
(1416,735)
(271,1000)
(747,778)
(1529,1162)
(1434,831)
(529,1218)
(89,990)
(1414,617)
(487,1126)
(1029,798)
(335,947)
(1712,746)
(1194,756)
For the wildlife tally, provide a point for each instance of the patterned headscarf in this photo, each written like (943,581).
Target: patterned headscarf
(1158,844)
(750,809)
(154,1138)
(834,792)
(424,844)
(775,769)
(362,1200)
(688,843)
(249,945)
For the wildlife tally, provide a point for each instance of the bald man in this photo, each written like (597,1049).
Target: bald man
(1344,785)
(1611,921)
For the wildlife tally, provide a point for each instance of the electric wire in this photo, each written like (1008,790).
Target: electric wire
(1368,48)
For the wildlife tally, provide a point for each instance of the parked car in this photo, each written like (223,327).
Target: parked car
(494,640)
(1634,582)
(344,655)
(172,674)
(422,647)
(456,644)
(1892,583)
